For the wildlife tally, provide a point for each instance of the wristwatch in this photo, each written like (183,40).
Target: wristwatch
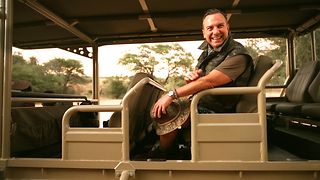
(172,94)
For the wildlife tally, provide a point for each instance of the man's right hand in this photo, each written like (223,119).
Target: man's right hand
(191,76)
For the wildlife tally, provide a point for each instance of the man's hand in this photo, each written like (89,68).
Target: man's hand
(160,107)
(191,76)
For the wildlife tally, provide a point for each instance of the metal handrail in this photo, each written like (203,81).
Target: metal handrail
(259,90)
(123,107)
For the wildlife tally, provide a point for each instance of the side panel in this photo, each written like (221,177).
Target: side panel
(175,170)
(93,144)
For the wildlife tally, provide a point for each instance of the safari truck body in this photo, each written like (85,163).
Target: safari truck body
(256,142)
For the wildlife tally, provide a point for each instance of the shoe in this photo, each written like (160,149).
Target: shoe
(184,152)
(157,155)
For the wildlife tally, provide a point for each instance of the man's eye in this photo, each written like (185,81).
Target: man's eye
(220,26)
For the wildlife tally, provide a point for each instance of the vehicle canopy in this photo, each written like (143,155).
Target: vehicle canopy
(102,153)
(74,23)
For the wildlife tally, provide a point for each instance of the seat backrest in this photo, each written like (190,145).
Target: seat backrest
(314,89)
(248,102)
(115,119)
(297,90)
(139,107)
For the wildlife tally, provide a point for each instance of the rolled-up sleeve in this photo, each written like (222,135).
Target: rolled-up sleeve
(233,66)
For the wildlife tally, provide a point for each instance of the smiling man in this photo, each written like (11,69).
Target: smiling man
(224,62)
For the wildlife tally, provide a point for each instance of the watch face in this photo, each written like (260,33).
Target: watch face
(170,93)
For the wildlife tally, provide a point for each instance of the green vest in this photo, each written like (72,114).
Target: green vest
(209,61)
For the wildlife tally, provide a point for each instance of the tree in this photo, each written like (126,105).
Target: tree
(177,61)
(169,58)
(55,75)
(67,72)
(17,58)
(143,62)
(35,74)
(275,48)
(302,49)
(114,87)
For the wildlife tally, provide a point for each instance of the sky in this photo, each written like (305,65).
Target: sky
(108,56)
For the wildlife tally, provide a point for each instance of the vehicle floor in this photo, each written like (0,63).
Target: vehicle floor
(276,153)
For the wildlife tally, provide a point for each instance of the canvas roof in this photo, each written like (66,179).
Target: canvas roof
(77,23)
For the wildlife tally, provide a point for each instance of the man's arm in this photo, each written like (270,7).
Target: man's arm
(213,79)
(194,75)
(228,71)
(222,75)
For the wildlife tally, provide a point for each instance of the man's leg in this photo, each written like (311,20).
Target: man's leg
(167,140)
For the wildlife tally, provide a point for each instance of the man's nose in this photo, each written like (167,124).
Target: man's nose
(215,30)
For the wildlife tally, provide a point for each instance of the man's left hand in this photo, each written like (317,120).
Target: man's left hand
(161,106)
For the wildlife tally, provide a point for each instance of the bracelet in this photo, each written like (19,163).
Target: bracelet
(176,96)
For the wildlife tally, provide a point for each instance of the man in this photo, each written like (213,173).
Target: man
(224,62)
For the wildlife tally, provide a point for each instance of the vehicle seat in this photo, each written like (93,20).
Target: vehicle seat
(297,91)
(248,102)
(140,122)
(313,109)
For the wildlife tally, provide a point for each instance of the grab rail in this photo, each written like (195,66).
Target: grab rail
(259,89)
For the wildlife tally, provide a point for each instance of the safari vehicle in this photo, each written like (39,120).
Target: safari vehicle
(242,145)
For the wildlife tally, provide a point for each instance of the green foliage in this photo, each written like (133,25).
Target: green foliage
(114,87)
(18,59)
(176,81)
(302,49)
(170,59)
(22,70)
(142,62)
(275,48)
(278,52)
(176,60)
(57,75)
(68,72)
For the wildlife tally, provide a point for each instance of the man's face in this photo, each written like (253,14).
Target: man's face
(215,29)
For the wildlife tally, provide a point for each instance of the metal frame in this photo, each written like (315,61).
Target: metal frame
(123,168)
(103,153)
(6,78)
(259,90)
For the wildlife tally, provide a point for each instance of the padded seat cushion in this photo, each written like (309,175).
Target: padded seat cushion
(312,110)
(248,102)
(139,106)
(35,127)
(271,106)
(297,90)
(314,89)
(289,108)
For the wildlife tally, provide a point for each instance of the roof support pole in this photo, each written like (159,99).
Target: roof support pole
(6,70)
(2,42)
(290,66)
(95,71)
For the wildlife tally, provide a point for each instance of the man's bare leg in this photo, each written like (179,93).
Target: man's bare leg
(167,140)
